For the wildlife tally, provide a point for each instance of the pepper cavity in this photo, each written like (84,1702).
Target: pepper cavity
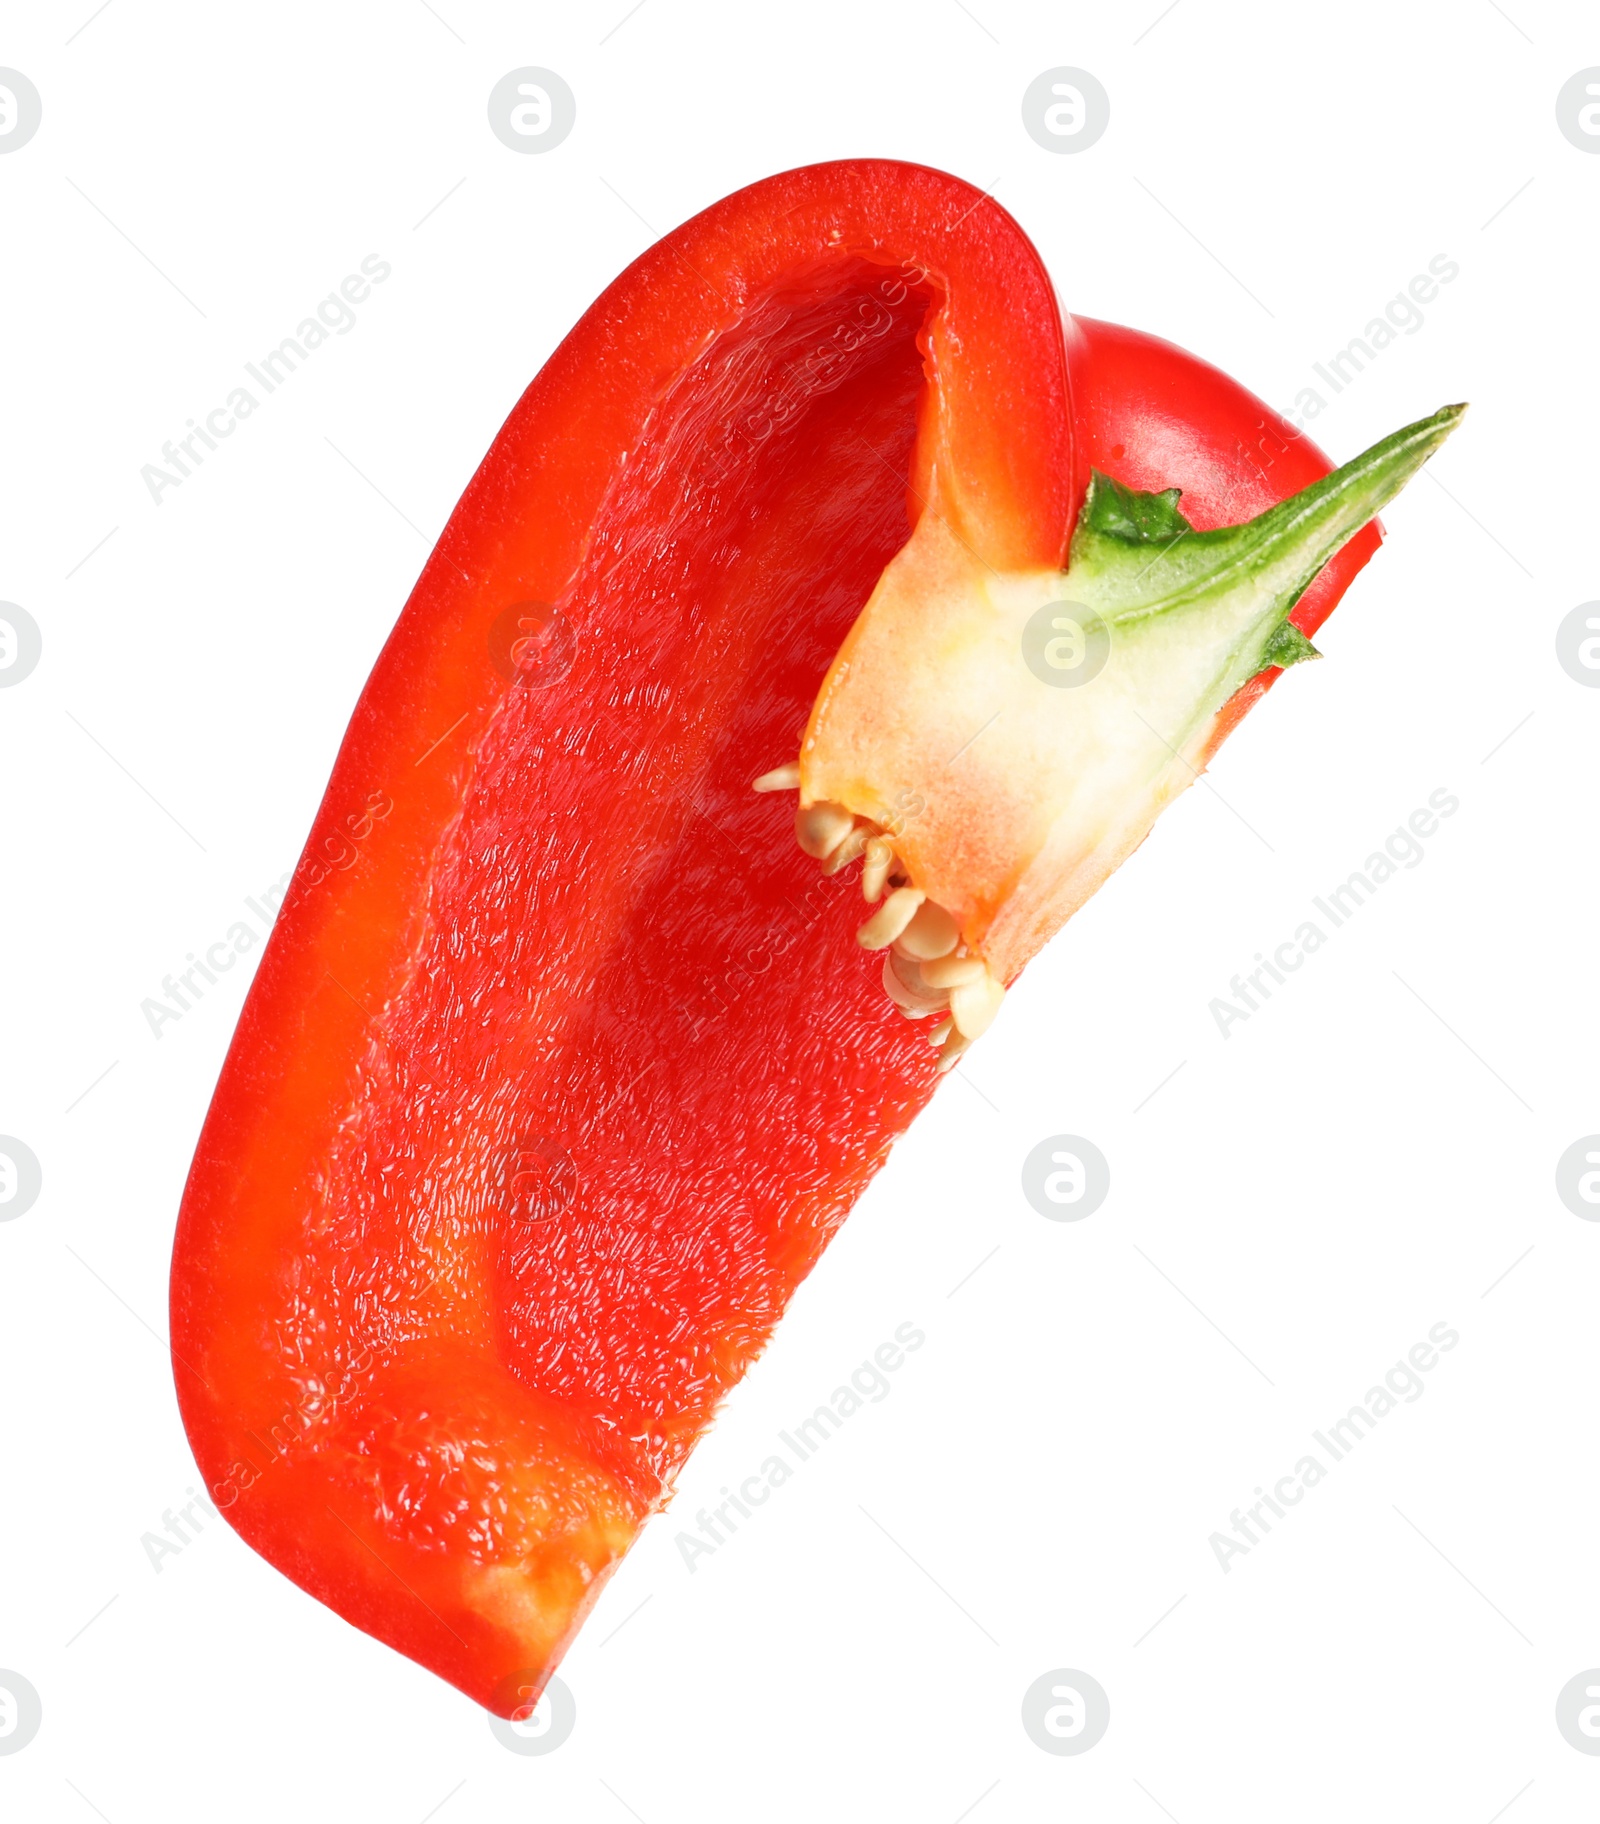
(927,970)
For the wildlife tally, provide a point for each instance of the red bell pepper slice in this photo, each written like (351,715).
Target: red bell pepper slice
(537,1112)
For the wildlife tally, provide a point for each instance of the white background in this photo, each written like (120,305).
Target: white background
(1289,1213)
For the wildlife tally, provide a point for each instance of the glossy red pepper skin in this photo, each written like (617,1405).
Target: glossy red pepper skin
(559,1072)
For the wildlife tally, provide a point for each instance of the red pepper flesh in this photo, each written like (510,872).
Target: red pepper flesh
(556,1077)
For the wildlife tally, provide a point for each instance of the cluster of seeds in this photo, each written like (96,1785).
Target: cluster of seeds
(927,972)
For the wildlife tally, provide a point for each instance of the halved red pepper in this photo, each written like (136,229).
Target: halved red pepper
(546,1098)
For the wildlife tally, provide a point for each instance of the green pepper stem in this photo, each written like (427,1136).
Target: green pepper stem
(1283,549)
